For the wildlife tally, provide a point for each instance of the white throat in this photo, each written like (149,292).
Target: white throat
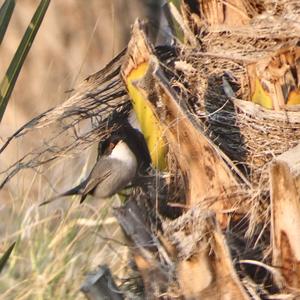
(123,153)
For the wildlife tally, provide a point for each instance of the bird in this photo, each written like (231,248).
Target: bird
(121,159)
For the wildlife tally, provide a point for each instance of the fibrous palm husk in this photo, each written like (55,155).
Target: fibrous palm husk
(249,134)
(216,76)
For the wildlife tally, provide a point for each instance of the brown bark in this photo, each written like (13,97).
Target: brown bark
(210,273)
(230,13)
(285,200)
(207,175)
(145,248)
(274,80)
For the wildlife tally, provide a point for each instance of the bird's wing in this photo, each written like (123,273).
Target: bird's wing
(101,171)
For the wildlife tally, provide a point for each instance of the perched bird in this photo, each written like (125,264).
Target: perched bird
(121,158)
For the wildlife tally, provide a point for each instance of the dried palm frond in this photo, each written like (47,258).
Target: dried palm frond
(88,116)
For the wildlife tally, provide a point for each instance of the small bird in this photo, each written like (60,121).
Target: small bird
(121,158)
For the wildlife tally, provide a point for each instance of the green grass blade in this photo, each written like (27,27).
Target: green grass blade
(12,73)
(6,11)
(6,255)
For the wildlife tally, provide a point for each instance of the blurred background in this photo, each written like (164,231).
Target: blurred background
(56,246)
(76,39)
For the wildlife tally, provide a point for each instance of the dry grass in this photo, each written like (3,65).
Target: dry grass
(57,245)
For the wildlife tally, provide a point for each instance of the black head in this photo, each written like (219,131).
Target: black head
(133,138)
(105,147)
(136,142)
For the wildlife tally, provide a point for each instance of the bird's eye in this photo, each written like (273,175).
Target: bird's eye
(112,146)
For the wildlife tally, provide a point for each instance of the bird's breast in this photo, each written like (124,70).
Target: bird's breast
(124,155)
(121,174)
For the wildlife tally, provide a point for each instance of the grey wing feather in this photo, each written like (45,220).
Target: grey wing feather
(111,176)
(99,173)
(107,177)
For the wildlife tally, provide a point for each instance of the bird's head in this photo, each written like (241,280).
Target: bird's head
(133,139)
(106,147)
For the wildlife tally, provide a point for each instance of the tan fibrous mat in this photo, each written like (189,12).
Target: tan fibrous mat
(249,134)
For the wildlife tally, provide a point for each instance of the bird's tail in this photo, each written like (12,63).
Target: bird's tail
(82,198)
(74,191)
